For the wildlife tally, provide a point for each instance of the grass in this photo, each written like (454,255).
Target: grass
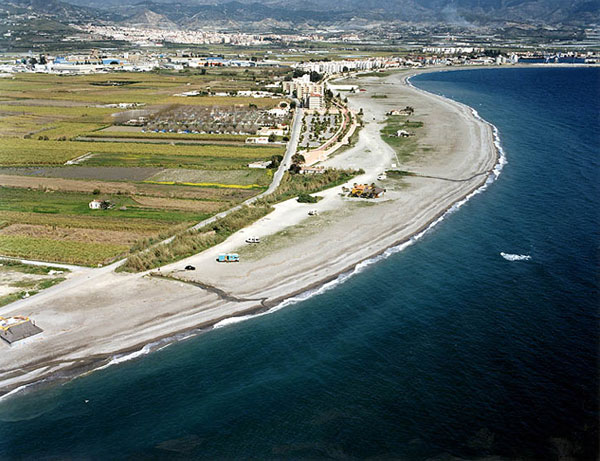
(405,148)
(23,152)
(8,264)
(195,241)
(77,204)
(84,253)
(57,212)
(234,138)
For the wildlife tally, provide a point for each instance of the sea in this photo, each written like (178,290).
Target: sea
(478,340)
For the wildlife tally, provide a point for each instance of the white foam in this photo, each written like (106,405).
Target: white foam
(514,257)
(17,390)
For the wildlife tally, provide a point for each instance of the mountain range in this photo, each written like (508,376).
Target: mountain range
(293,13)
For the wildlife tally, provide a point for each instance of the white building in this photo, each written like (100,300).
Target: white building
(96,204)
(315,101)
(258,140)
(303,88)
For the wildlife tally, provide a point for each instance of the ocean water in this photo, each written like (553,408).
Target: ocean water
(480,340)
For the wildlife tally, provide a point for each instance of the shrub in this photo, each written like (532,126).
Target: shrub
(307,198)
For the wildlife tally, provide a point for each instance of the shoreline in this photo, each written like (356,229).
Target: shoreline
(91,363)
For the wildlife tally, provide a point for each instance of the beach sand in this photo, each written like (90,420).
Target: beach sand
(98,314)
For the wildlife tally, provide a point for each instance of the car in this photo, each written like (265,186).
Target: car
(189,267)
(253,240)
(313,213)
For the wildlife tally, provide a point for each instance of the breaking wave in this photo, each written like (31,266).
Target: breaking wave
(513,257)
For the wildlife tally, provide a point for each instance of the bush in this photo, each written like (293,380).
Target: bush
(307,198)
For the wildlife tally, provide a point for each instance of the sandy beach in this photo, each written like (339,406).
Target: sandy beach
(98,313)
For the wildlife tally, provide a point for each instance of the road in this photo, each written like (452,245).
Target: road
(283,167)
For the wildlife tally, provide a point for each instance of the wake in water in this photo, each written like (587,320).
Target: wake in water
(513,257)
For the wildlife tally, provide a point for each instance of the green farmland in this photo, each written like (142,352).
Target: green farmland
(44,201)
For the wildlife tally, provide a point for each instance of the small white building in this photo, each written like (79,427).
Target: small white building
(402,134)
(268,131)
(315,101)
(258,140)
(96,204)
(262,165)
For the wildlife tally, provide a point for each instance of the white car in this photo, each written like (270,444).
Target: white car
(252,240)
(313,213)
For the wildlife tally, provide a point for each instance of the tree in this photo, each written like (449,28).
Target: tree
(315,76)
(271,137)
(298,159)
(295,169)
(275,161)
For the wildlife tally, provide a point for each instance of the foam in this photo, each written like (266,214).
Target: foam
(514,257)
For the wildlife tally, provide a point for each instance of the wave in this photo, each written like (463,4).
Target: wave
(513,257)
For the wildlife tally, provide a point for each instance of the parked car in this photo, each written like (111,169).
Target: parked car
(253,240)
(313,213)
(190,268)
(228,258)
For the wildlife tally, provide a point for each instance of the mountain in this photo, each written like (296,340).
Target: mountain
(290,13)
(54,9)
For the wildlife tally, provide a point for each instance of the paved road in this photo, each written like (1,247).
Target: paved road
(283,167)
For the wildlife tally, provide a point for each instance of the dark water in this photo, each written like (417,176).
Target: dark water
(445,349)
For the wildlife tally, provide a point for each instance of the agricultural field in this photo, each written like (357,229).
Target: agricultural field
(65,142)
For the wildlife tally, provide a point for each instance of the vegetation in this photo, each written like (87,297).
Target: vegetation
(292,185)
(194,241)
(16,152)
(45,115)
(405,147)
(307,198)
(12,265)
(85,253)
(398,173)
(33,287)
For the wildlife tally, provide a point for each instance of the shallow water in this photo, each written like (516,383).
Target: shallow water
(448,348)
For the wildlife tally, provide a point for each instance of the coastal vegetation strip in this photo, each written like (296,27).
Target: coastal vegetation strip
(194,241)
